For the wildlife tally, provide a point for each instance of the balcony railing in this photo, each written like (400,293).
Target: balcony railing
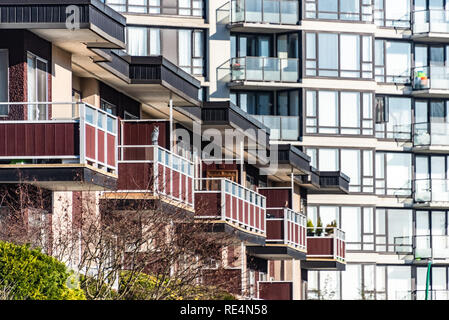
(428,134)
(153,168)
(433,77)
(264,69)
(66,132)
(287,227)
(432,190)
(433,294)
(223,199)
(326,243)
(265,11)
(281,127)
(433,20)
(423,246)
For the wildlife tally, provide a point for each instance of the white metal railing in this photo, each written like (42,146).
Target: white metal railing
(264,69)
(163,182)
(96,126)
(295,227)
(339,251)
(225,187)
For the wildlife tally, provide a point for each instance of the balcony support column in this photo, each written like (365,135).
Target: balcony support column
(170,104)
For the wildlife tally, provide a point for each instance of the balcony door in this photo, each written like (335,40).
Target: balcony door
(37,87)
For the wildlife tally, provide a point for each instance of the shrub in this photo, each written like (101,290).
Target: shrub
(29,274)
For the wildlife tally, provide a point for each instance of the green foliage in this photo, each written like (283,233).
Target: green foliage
(310,228)
(330,227)
(29,274)
(319,227)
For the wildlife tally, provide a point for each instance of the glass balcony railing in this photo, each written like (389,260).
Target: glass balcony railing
(281,127)
(433,20)
(264,69)
(427,134)
(265,11)
(433,77)
(423,246)
(431,190)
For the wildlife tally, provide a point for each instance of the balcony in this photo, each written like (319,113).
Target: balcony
(232,208)
(325,249)
(281,127)
(431,193)
(264,70)
(334,182)
(431,137)
(431,81)
(431,25)
(264,15)
(99,26)
(147,168)
(278,290)
(423,247)
(58,146)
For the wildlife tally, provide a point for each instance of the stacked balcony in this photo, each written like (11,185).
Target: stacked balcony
(431,193)
(58,146)
(431,81)
(326,249)
(232,208)
(286,229)
(264,15)
(152,169)
(423,247)
(431,25)
(431,137)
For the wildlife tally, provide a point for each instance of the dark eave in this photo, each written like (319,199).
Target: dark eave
(333,182)
(225,113)
(293,157)
(323,265)
(51,14)
(275,252)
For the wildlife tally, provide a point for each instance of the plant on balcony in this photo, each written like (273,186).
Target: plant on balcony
(310,228)
(330,228)
(319,227)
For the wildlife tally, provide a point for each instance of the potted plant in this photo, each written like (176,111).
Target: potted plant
(330,227)
(310,228)
(319,227)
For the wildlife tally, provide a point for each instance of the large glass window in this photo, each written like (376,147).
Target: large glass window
(37,86)
(393,61)
(392,13)
(332,112)
(393,174)
(397,121)
(347,10)
(175,7)
(355,163)
(190,51)
(143,41)
(338,55)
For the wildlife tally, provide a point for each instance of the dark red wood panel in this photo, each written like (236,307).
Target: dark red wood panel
(208,204)
(320,246)
(276,290)
(275,230)
(100,146)
(135,176)
(111,150)
(277,198)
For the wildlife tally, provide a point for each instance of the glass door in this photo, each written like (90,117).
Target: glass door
(37,87)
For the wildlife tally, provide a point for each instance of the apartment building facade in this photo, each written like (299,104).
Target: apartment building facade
(351,95)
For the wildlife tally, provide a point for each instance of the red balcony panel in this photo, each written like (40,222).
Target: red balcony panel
(275,290)
(183,187)
(139,133)
(190,189)
(277,198)
(167,180)
(251,215)
(38,139)
(246,216)
(257,217)
(90,141)
(320,246)
(100,143)
(208,204)
(176,184)
(135,176)
(111,150)
(241,206)
(275,230)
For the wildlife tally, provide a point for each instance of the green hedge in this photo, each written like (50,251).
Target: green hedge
(29,274)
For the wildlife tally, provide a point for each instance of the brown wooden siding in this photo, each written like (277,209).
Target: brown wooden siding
(135,176)
(320,246)
(277,198)
(276,290)
(208,204)
(39,139)
(139,133)
(275,230)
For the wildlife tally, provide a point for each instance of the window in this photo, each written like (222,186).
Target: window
(392,61)
(4,76)
(37,86)
(395,117)
(392,13)
(333,112)
(348,10)
(393,174)
(143,41)
(175,7)
(339,55)
(108,107)
(190,7)
(357,164)
(190,51)
(399,282)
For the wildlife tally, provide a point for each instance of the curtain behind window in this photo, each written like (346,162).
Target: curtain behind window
(137,41)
